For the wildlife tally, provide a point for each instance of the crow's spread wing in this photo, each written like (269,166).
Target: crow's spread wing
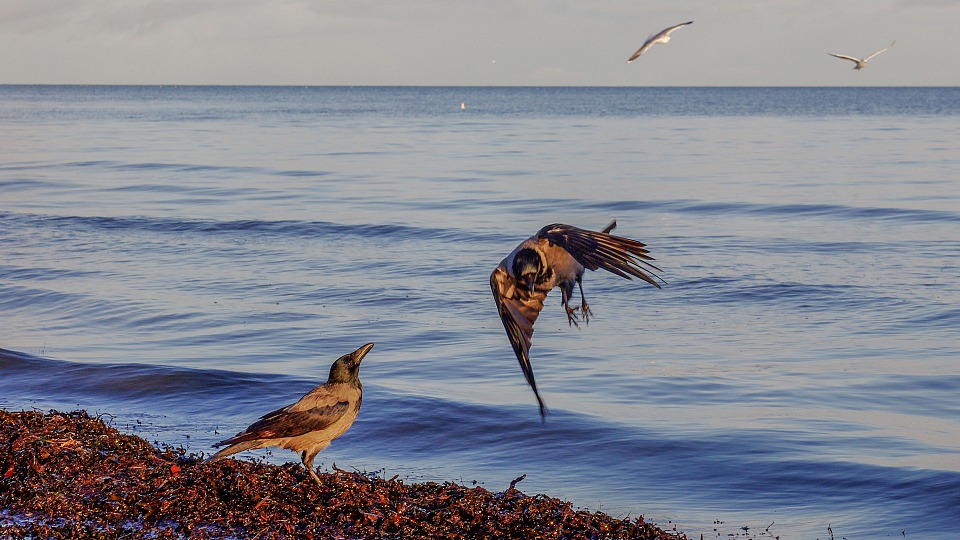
(518,309)
(621,256)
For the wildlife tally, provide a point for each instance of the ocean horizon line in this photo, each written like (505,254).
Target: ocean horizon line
(215,85)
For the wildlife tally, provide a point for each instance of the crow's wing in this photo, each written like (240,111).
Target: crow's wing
(321,412)
(518,309)
(621,256)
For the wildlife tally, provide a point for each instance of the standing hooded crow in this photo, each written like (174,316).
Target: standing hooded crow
(309,425)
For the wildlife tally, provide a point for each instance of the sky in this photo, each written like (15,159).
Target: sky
(478,42)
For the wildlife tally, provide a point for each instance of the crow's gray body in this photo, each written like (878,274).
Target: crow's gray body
(309,425)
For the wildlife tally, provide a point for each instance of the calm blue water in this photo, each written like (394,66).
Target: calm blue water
(187,259)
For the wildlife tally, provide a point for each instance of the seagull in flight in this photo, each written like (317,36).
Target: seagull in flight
(556,257)
(861,62)
(661,37)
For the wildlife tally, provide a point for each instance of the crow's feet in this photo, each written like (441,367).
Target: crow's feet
(585,312)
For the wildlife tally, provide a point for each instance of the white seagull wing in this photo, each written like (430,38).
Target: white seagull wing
(845,57)
(644,48)
(878,52)
(666,31)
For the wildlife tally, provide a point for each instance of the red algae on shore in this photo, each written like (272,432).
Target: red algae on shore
(69,475)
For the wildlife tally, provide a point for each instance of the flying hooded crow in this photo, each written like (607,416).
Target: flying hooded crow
(556,257)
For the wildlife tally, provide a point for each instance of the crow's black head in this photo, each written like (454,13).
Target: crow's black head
(347,368)
(527,267)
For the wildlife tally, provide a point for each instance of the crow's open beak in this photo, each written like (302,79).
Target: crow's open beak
(361,352)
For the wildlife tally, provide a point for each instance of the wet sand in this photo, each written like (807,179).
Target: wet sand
(70,475)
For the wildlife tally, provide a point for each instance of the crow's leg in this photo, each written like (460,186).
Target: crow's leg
(584,306)
(307,458)
(566,291)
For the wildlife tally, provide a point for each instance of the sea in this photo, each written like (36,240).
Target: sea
(180,260)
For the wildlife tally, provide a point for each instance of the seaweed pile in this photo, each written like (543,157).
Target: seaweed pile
(70,475)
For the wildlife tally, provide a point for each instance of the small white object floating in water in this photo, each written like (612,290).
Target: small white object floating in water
(463,106)
(861,63)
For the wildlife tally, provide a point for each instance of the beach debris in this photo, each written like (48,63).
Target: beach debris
(100,483)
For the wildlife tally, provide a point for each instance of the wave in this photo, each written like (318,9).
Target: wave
(171,388)
(315,229)
(191,168)
(786,210)
(297,228)
(443,437)
(697,207)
